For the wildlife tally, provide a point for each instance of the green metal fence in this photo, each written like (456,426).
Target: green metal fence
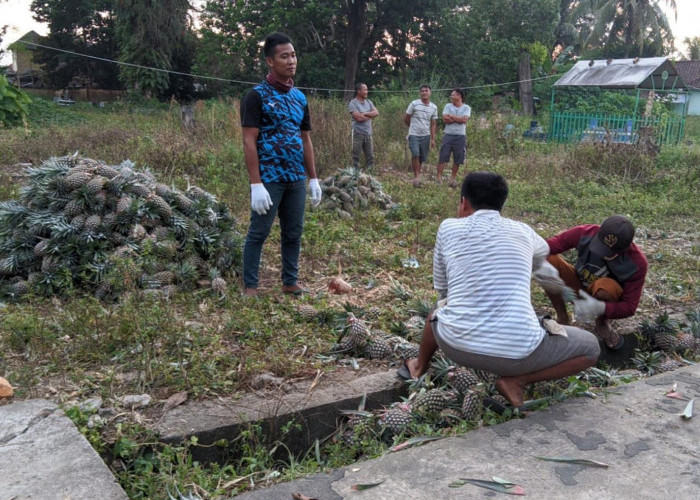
(577,127)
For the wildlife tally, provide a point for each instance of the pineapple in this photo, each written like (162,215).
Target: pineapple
(431,401)
(685,341)
(218,284)
(139,190)
(106,171)
(463,379)
(397,419)
(472,405)
(647,362)
(358,333)
(377,348)
(78,179)
(73,208)
(408,351)
(668,364)
(307,312)
(665,341)
(93,222)
(19,288)
(123,204)
(161,206)
(96,184)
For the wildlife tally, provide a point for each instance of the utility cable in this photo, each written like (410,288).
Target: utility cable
(228,80)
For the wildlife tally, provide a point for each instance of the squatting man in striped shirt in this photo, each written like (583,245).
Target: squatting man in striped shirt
(482,267)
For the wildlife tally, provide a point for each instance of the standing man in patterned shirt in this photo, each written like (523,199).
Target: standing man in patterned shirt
(421,117)
(362,112)
(279,156)
(454,142)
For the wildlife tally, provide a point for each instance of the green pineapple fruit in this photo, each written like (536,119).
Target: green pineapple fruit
(139,190)
(106,171)
(77,180)
(123,204)
(668,364)
(163,190)
(19,288)
(486,377)
(431,401)
(78,221)
(307,312)
(73,208)
(96,184)
(472,405)
(685,341)
(377,348)
(41,247)
(398,419)
(665,341)
(161,206)
(463,379)
(182,202)
(93,222)
(344,347)
(358,333)
(408,351)
(138,232)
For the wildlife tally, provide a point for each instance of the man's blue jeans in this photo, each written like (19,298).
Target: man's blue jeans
(289,202)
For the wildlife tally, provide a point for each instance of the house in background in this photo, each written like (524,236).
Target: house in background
(690,73)
(24,72)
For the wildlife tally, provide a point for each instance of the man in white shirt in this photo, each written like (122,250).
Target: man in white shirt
(482,266)
(454,142)
(421,117)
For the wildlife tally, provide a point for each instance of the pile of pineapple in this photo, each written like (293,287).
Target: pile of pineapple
(448,395)
(82,224)
(350,189)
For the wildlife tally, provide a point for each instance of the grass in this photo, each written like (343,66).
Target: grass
(71,348)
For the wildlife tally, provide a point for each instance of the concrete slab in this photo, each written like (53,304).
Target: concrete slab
(315,406)
(43,456)
(652,453)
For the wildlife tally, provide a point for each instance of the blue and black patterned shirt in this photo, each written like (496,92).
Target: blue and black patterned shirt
(280,117)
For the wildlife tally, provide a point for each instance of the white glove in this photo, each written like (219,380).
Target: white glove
(588,308)
(260,200)
(316,192)
(548,277)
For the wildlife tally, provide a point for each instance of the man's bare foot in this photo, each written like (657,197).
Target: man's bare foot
(413,368)
(250,292)
(511,389)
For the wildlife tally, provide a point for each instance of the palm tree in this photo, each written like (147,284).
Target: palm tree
(693,45)
(631,26)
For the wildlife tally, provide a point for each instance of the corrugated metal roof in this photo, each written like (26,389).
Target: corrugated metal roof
(645,73)
(690,72)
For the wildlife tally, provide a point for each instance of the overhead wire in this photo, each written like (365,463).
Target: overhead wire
(243,82)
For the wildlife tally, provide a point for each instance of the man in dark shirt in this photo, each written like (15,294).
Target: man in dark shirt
(608,275)
(278,156)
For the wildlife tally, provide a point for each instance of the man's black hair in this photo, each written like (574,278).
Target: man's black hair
(358,86)
(485,190)
(272,41)
(426,86)
(460,92)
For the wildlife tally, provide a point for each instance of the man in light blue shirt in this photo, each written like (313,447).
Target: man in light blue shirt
(454,142)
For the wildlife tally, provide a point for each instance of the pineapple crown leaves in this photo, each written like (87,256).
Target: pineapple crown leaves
(647,361)
(420,307)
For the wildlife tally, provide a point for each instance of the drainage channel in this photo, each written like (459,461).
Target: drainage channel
(314,407)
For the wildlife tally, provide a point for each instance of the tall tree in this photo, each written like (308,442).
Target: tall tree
(343,37)
(77,27)
(154,35)
(693,46)
(631,28)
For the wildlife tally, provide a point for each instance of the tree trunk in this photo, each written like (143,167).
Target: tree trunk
(357,34)
(525,88)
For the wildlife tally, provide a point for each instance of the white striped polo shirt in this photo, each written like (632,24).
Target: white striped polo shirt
(484,262)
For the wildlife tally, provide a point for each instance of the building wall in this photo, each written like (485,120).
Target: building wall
(694,103)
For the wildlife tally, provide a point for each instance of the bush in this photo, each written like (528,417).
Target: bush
(13,104)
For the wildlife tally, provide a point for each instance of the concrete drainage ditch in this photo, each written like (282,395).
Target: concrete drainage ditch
(315,409)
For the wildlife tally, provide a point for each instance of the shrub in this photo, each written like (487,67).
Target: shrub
(13,104)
